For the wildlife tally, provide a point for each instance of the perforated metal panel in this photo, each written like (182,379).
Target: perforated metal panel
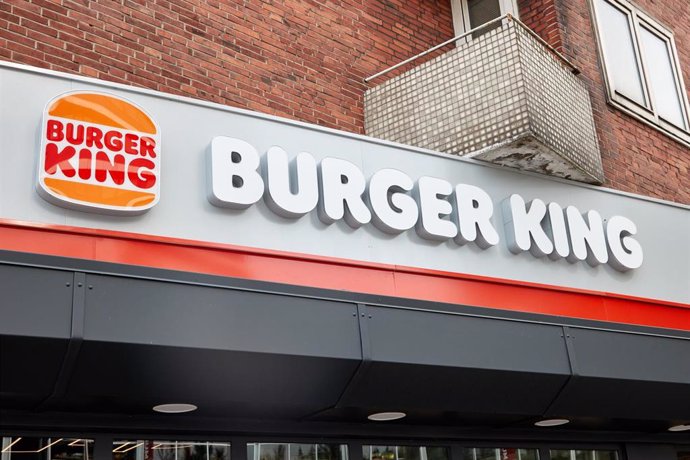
(502,97)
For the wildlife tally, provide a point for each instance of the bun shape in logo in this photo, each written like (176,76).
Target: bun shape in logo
(99,153)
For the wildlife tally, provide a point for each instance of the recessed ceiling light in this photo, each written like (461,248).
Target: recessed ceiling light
(552,422)
(680,428)
(174,408)
(386,416)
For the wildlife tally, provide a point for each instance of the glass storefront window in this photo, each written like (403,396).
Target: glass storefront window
(583,455)
(170,450)
(296,451)
(405,453)
(33,448)
(500,453)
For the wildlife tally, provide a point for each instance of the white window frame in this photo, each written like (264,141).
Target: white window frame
(461,14)
(645,113)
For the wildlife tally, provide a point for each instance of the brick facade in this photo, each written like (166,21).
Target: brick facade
(302,59)
(636,157)
(306,59)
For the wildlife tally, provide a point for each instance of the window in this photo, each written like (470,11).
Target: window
(583,455)
(170,450)
(641,67)
(469,14)
(32,448)
(501,453)
(405,453)
(296,451)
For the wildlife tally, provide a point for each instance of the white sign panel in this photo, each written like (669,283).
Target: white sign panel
(234,177)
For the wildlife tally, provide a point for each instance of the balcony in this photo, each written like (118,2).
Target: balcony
(500,95)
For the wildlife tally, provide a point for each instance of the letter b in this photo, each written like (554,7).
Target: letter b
(233,178)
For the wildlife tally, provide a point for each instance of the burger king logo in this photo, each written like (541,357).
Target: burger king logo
(99,153)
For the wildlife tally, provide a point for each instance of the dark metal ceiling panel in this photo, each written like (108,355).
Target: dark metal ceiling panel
(426,361)
(35,325)
(132,378)
(29,368)
(627,376)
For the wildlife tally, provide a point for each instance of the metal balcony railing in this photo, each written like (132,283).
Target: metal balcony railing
(501,94)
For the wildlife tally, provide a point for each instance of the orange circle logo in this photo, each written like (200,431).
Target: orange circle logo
(99,153)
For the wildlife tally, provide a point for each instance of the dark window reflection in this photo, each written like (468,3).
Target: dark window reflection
(500,453)
(583,455)
(32,448)
(295,451)
(170,450)
(404,453)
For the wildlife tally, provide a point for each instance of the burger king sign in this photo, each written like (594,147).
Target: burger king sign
(99,153)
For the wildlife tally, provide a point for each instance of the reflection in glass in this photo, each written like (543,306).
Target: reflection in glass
(32,448)
(621,60)
(170,450)
(502,453)
(404,453)
(482,11)
(287,451)
(662,82)
(583,455)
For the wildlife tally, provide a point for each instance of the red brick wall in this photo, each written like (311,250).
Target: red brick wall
(306,59)
(301,59)
(637,158)
(543,17)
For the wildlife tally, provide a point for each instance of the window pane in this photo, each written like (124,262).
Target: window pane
(502,453)
(287,451)
(30,448)
(482,11)
(619,52)
(661,79)
(170,450)
(404,453)
(560,455)
(583,455)
(272,452)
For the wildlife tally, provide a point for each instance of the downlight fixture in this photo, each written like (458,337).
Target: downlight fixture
(175,408)
(386,416)
(552,422)
(676,428)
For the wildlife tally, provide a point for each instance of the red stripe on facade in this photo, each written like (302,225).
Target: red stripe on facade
(339,274)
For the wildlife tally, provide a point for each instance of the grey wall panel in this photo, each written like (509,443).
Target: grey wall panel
(35,302)
(605,354)
(439,339)
(180,315)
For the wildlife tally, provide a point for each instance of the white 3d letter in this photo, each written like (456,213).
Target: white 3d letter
(342,185)
(292,186)
(430,224)
(394,211)
(233,180)
(586,234)
(526,226)
(474,211)
(625,253)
